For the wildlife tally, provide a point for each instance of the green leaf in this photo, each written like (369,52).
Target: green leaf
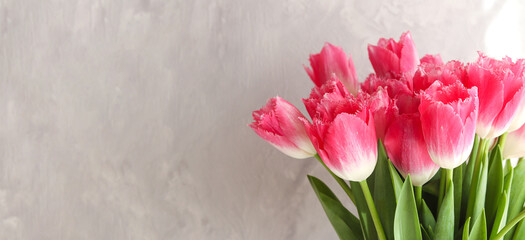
(517,195)
(501,215)
(458,185)
(466,229)
(506,189)
(396,180)
(508,167)
(383,192)
(445,222)
(381,155)
(367,223)
(406,221)
(467,177)
(470,167)
(346,225)
(520,231)
(494,185)
(479,230)
(425,235)
(427,219)
(432,187)
(481,189)
(508,182)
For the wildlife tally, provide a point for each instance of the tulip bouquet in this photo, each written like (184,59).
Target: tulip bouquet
(423,148)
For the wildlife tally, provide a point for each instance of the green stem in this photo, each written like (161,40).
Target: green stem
(446,180)
(449,175)
(475,177)
(339,180)
(419,193)
(511,224)
(373,211)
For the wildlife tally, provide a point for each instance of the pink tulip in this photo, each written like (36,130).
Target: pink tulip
(447,74)
(448,118)
(500,86)
(394,87)
(432,59)
(331,86)
(383,109)
(332,61)
(519,118)
(343,134)
(391,58)
(278,123)
(514,145)
(407,150)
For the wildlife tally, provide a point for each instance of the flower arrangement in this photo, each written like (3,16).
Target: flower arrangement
(423,148)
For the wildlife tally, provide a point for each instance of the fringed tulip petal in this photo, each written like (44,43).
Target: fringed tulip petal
(448,115)
(390,58)
(500,86)
(279,124)
(342,131)
(332,61)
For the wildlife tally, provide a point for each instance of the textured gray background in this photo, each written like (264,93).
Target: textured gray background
(127,119)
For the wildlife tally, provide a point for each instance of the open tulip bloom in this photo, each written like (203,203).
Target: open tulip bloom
(424,149)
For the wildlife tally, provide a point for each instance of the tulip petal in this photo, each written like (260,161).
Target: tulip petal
(383,61)
(350,144)
(278,123)
(408,57)
(332,61)
(490,95)
(514,144)
(407,150)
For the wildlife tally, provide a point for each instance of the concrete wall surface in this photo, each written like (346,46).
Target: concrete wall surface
(127,119)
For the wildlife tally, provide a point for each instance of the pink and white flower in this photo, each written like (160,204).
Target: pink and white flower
(394,86)
(342,132)
(391,58)
(500,86)
(332,61)
(278,123)
(406,148)
(514,145)
(332,86)
(448,119)
(383,109)
(448,73)
(432,59)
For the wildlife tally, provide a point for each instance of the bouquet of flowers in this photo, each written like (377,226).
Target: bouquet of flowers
(423,148)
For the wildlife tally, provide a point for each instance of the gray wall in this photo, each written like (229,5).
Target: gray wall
(127,119)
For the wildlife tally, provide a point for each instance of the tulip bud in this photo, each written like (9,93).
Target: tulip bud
(501,89)
(514,145)
(278,123)
(391,58)
(383,109)
(407,150)
(332,61)
(343,134)
(447,74)
(394,86)
(432,59)
(448,119)
(331,86)
(519,118)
